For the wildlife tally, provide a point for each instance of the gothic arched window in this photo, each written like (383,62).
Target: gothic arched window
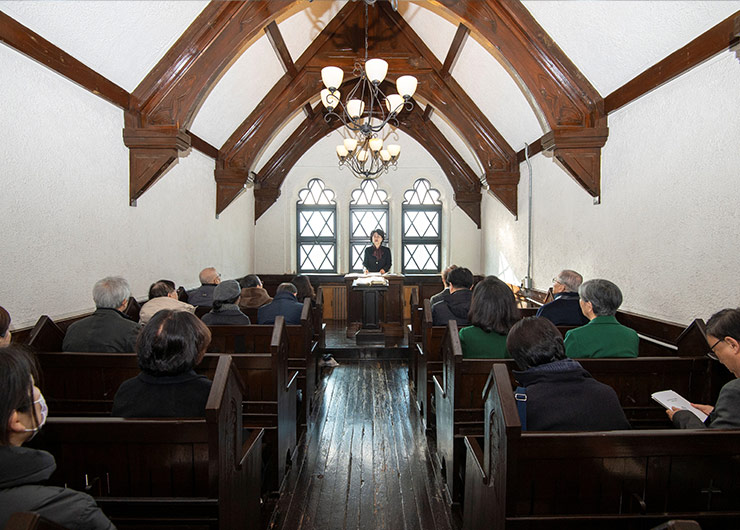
(422,229)
(368,210)
(316,215)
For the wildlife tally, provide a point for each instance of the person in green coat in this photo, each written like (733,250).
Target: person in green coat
(492,313)
(603,336)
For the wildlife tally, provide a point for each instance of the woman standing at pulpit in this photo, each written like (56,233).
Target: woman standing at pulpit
(377,257)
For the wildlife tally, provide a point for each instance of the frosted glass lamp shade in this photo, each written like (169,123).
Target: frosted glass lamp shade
(406,85)
(329,99)
(362,155)
(376,144)
(355,108)
(342,151)
(375,69)
(332,76)
(385,156)
(394,103)
(350,144)
(394,150)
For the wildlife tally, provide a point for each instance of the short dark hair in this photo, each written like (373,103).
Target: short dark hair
(379,232)
(286,287)
(4,321)
(161,288)
(172,342)
(605,296)
(534,341)
(250,280)
(446,272)
(17,367)
(493,307)
(724,323)
(304,287)
(460,278)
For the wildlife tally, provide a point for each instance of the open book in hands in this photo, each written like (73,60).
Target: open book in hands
(670,399)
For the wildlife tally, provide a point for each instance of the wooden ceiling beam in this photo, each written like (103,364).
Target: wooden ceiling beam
(278,44)
(455,48)
(33,45)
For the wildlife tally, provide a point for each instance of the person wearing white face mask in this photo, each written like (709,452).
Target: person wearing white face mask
(23,470)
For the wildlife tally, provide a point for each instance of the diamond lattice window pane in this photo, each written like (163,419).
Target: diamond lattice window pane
(369,194)
(316,257)
(423,193)
(420,257)
(317,223)
(357,254)
(315,193)
(365,221)
(421,224)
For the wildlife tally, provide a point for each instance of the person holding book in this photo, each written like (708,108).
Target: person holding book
(723,338)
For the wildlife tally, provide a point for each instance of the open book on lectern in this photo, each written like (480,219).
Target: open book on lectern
(670,399)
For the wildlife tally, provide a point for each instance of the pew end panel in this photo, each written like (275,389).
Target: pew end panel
(46,335)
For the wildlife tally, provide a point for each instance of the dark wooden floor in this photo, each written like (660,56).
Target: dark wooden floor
(365,463)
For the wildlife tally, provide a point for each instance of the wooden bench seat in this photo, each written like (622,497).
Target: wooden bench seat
(613,479)
(173,473)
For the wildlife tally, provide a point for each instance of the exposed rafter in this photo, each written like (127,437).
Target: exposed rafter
(455,48)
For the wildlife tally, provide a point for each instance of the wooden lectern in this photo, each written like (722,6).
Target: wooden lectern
(389,304)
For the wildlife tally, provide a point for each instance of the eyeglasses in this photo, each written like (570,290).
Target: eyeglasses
(556,280)
(711,353)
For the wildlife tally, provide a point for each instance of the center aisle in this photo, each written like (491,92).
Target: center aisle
(366,464)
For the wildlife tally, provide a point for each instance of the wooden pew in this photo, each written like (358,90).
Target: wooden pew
(46,335)
(578,480)
(428,363)
(30,521)
(460,406)
(414,332)
(165,472)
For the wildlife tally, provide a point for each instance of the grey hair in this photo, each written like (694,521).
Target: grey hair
(571,280)
(110,292)
(605,297)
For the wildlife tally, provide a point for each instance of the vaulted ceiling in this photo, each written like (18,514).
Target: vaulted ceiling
(491,77)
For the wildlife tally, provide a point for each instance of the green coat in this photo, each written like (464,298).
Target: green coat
(477,344)
(602,337)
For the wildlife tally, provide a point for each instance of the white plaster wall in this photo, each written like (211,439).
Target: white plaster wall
(666,231)
(65,214)
(275,230)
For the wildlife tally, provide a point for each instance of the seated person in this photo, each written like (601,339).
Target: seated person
(253,294)
(203,295)
(162,295)
(603,336)
(284,303)
(107,330)
(560,394)
(4,327)
(723,337)
(305,289)
(24,471)
(492,313)
(444,292)
(226,310)
(170,346)
(457,304)
(564,310)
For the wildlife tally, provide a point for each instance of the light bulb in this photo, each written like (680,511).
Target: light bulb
(355,108)
(375,69)
(350,144)
(332,76)
(406,85)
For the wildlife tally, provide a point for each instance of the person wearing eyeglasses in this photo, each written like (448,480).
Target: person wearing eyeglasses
(723,338)
(203,295)
(564,309)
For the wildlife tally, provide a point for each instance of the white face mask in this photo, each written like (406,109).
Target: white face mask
(44,413)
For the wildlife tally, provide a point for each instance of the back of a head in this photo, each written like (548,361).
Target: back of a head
(209,276)
(286,287)
(111,292)
(493,307)
(605,296)
(446,273)
(161,288)
(172,342)
(724,323)
(250,280)
(304,289)
(4,321)
(17,367)
(534,341)
(460,278)
(571,280)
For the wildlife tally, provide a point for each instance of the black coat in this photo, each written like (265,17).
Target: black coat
(22,471)
(373,264)
(106,330)
(454,306)
(562,396)
(202,296)
(283,304)
(178,396)
(564,310)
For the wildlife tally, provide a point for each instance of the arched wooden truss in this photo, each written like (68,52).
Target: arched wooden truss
(165,103)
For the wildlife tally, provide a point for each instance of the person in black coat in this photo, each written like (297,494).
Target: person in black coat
(456,305)
(226,310)
(560,394)
(564,309)
(377,257)
(169,348)
(284,303)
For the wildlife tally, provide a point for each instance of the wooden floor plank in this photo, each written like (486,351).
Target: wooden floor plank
(366,463)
